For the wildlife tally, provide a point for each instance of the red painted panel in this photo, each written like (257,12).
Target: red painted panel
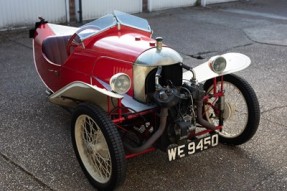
(49,72)
(106,67)
(105,54)
(123,46)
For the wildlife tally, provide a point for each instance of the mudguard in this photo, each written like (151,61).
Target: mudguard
(76,92)
(234,62)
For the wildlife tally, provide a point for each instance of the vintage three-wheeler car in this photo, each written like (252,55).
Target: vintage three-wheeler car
(130,94)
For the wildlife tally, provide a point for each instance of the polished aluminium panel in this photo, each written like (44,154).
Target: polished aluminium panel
(139,76)
(146,62)
(128,101)
(163,57)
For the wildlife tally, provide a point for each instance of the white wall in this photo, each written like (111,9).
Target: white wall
(96,8)
(17,13)
(166,4)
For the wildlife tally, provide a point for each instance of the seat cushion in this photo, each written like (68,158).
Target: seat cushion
(54,49)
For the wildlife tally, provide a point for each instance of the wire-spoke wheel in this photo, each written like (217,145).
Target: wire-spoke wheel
(98,147)
(241,110)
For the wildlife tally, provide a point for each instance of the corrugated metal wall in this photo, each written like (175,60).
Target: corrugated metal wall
(96,8)
(17,13)
(166,4)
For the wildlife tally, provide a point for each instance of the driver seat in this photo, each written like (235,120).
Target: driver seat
(54,48)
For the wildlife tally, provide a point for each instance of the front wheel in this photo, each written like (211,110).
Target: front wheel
(98,147)
(241,114)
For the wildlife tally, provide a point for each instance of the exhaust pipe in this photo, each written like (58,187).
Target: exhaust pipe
(162,126)
(154,137)
(200,119)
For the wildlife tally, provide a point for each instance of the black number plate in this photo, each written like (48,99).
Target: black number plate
(190,148)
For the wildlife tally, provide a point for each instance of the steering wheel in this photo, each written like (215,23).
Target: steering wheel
(75,39)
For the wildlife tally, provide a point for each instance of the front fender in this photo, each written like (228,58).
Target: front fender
(235,63)
(75,92)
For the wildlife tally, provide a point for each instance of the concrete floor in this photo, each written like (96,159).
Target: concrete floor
(35,146)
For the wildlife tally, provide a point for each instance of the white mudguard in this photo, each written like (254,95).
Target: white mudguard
(234,63)
(83,92)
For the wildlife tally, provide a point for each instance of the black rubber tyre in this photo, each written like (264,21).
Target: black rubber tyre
(98,147)
(252,116)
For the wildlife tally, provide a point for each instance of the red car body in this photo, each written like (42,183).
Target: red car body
(119,49)
(129,95)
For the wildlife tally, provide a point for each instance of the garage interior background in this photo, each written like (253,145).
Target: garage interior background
(20,14)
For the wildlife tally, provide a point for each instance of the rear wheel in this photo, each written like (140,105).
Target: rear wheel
(241,110)
(98,147)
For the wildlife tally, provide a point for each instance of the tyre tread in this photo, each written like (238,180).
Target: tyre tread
(113,138)
(253,109)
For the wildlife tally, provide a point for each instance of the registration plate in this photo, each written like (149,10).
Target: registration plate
(190,148)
